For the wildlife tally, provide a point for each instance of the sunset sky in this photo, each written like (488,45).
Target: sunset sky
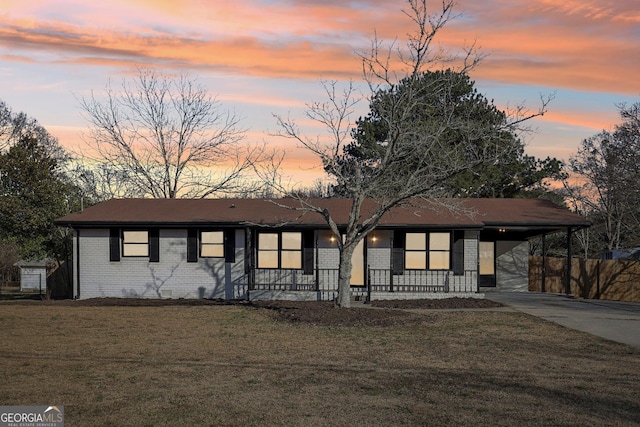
(267,56)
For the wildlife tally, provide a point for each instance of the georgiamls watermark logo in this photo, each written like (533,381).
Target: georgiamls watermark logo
(31,416)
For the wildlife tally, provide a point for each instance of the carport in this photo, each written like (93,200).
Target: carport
(504,242)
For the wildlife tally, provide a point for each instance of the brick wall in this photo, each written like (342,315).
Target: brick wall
(172,277)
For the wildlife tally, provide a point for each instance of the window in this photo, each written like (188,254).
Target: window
(487,258)
(268,250)
(135,243)
(291,255)
(439,251)
(416,251)
(212,244)
(280,250)
(209,243)
(428,249)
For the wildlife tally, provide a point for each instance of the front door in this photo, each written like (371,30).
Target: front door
(487,264)
(357,265)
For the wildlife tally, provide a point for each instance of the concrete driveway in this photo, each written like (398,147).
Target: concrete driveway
(613,320)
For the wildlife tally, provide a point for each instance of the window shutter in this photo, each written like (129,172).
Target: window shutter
(458,253)
(307,251)
(230,245)
(192,245)
(154,245)
(397,261)
(249,248)
(114,244)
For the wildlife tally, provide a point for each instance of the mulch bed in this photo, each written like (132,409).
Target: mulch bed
(445,303)
(323,313)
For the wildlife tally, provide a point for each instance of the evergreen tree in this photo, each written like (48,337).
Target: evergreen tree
(473,122)
(33,192)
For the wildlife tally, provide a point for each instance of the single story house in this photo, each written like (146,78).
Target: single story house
(266,249)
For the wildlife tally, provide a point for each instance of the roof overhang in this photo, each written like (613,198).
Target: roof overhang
(524,217)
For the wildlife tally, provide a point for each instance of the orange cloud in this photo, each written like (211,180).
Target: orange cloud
(243,55)
(595,121)
(300,166)
(595,10)
(583,45)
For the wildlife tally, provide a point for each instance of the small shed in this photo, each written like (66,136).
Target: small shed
(33,275)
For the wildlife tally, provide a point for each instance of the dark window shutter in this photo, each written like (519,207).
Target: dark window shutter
(458,253)
(114,244)
(398,252)
(230,245)
(154,245)
(192,245)
(249,245)
(307,251)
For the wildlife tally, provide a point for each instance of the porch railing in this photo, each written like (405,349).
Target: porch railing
(377,280)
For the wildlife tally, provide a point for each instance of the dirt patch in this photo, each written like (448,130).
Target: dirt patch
(320,313)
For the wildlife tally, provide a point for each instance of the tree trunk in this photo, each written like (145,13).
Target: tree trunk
(344,276)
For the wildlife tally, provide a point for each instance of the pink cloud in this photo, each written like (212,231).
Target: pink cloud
(537,43)
(594,120)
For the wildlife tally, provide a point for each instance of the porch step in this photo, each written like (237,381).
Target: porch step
(356,304)
(358,300)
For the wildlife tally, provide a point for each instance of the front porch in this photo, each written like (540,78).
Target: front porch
(379,284)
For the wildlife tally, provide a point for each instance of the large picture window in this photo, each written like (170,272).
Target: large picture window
(428,250)
(280,250)
(135,243)
(212,244)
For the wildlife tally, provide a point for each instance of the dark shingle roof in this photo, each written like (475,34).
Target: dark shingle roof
(466,213)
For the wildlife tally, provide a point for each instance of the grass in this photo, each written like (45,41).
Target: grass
(236,366)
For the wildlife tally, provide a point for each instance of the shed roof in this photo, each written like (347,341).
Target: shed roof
(441,213)
(41,263)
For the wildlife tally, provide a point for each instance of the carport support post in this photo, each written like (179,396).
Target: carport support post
(567,284)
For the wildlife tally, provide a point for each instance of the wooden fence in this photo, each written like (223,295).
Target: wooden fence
(590,278)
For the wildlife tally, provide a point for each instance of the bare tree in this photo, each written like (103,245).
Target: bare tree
(604,182)
(17,126)
(413,158)
(165,137)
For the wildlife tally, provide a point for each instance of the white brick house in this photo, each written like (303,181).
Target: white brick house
(256,249)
